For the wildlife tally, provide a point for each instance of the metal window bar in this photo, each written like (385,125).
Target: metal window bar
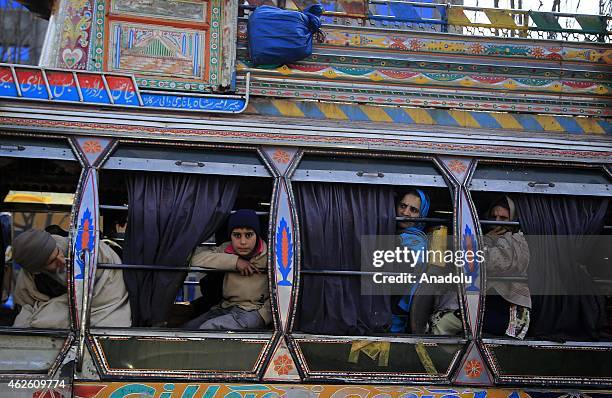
(425,219)
(493,222)
(164,268)
(113,207)
(346,273)
(525,279)
(517,224)
(125,207)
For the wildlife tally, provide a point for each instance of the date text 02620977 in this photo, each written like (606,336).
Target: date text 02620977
(37,383)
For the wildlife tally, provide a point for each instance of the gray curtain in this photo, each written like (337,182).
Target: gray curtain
(565,303)
(333,217)
(169,215)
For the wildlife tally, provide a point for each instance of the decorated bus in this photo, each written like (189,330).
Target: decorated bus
(147,137)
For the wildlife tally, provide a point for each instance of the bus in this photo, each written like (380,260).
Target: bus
(146,127)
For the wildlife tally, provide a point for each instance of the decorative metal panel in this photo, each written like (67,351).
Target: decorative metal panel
(156,50)
(85,245)
(92,148)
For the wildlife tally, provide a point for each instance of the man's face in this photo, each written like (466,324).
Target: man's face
(243,240)
(499,213)
(56,262)
(409,206)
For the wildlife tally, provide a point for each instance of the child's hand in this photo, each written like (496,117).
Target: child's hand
(246,268)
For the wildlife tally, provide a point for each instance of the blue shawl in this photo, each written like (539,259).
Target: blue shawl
(416,240)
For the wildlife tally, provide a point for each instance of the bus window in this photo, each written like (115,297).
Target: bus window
(546,265)
(339,201)
(38,181)
(167,212)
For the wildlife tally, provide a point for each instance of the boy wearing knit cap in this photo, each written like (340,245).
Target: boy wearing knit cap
(41,285)
(246,297)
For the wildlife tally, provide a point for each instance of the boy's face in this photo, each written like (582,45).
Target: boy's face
(243,240)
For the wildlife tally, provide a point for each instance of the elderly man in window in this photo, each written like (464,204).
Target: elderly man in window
(41,289)
(507,303)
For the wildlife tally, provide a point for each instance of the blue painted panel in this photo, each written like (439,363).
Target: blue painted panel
(96,95)
(64,93)
(7,85)
(193,103)
(92,87)
(124,97)
(31,83)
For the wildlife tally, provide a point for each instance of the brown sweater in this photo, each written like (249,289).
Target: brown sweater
(508,255)
(248,292)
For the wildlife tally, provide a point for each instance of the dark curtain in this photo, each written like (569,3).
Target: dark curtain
(565,303)
(333,217)
(169,215)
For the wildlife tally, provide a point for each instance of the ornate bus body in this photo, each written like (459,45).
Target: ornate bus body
(397,95)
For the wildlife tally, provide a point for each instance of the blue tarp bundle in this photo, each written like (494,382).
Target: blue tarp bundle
(280,36)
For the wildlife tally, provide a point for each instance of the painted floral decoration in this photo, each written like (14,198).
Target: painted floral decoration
(457,166)
(283,365)
(473,368)
(281,156)
(92,146)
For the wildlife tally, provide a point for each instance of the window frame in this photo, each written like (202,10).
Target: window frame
(31,146)
(294,337)
(95,335)
(488,344)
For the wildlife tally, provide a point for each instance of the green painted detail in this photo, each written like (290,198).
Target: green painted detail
(534,82)
(96,49)
(156,48)
(193,86)
(444,77)
(508,50)
(545,21)
(591,23)
(353,71)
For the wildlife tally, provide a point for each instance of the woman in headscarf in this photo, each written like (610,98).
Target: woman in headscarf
(507,303)
(413,203)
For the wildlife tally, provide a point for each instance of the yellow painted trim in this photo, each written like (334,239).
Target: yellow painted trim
(464,118)
(456,16)
(376,114)
(501,19)
(507,121)
(589,125)
(420,116)
(549,123)
(288,108)
(332,111)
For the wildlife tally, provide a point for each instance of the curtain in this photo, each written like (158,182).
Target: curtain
(333,217)
(169,215)
(565,304)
